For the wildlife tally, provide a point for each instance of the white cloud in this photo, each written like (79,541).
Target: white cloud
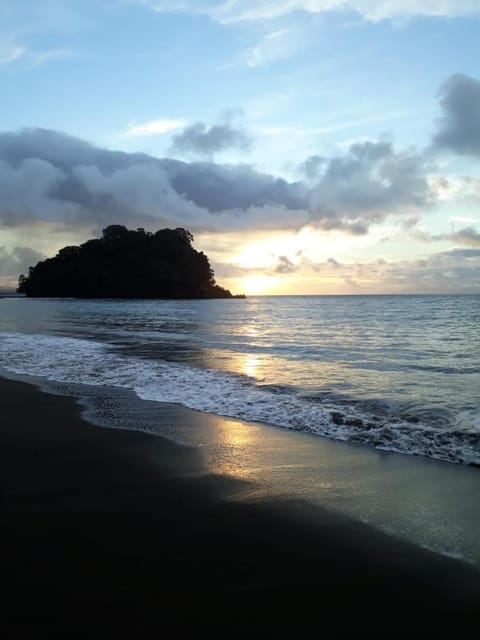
(341,125)
(12,53)
(451,188)
(153,127)
(274,46)
(231,11)
(39,57)
(9,52)
(465,219)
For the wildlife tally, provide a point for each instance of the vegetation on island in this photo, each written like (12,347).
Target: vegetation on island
(126,264)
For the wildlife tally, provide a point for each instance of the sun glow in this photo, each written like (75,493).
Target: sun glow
(258,284)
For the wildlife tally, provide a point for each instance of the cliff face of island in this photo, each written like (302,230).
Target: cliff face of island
(126,264)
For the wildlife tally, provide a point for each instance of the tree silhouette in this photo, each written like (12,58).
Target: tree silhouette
(126,264)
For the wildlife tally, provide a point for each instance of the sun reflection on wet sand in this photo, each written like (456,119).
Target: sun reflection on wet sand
(235,448)
(432,504)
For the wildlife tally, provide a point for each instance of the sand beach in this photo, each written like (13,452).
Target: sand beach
(129,530)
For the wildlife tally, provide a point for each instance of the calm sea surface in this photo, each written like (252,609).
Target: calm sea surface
(400,373)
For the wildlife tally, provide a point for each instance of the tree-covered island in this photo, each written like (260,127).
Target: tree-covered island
(126,264)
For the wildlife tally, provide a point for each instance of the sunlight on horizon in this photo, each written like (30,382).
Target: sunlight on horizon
(260,285)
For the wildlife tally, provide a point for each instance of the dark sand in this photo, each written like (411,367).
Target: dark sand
(126,530)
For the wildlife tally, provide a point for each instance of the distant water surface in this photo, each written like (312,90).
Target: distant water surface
(400,373)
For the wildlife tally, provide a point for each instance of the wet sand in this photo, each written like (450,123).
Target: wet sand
(129,531)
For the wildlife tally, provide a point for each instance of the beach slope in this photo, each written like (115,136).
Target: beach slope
(128,529)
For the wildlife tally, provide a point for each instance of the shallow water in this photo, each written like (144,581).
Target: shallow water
(400,373)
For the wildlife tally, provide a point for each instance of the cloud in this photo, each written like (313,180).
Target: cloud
(312,166)
(462,253)
(232,11)
(334,263)
(153,127)
(20,258)
(26,191)
(37,58)
(202,140)
(273,47)
(468,236)
(369,182)
(13,54)
(454,188)
(285,265)
(449,271)
(460,125)
(15,261)
(234,187)
(141,190)
(51,176)
(9,52)
(455,271)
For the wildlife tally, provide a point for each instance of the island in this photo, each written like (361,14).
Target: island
(126,264)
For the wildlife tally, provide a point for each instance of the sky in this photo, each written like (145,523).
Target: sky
(310,146)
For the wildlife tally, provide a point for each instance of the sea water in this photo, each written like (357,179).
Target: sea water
(399,373)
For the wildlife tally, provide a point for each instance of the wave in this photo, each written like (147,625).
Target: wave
(227,394)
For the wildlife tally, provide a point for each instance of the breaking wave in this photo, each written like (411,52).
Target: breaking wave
(228,394)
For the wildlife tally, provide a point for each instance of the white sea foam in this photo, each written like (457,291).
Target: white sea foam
(228,394)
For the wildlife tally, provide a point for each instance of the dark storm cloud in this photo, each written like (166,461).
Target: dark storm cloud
(51,176)
(459,129)
(200,139)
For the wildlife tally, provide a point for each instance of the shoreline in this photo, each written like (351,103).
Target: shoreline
(429,503)
(103,519)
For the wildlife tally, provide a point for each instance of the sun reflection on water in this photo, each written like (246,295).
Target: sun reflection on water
(250,366)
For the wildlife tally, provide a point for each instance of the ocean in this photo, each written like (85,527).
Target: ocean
(398,373)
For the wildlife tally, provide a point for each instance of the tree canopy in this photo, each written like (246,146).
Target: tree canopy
(126,264)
